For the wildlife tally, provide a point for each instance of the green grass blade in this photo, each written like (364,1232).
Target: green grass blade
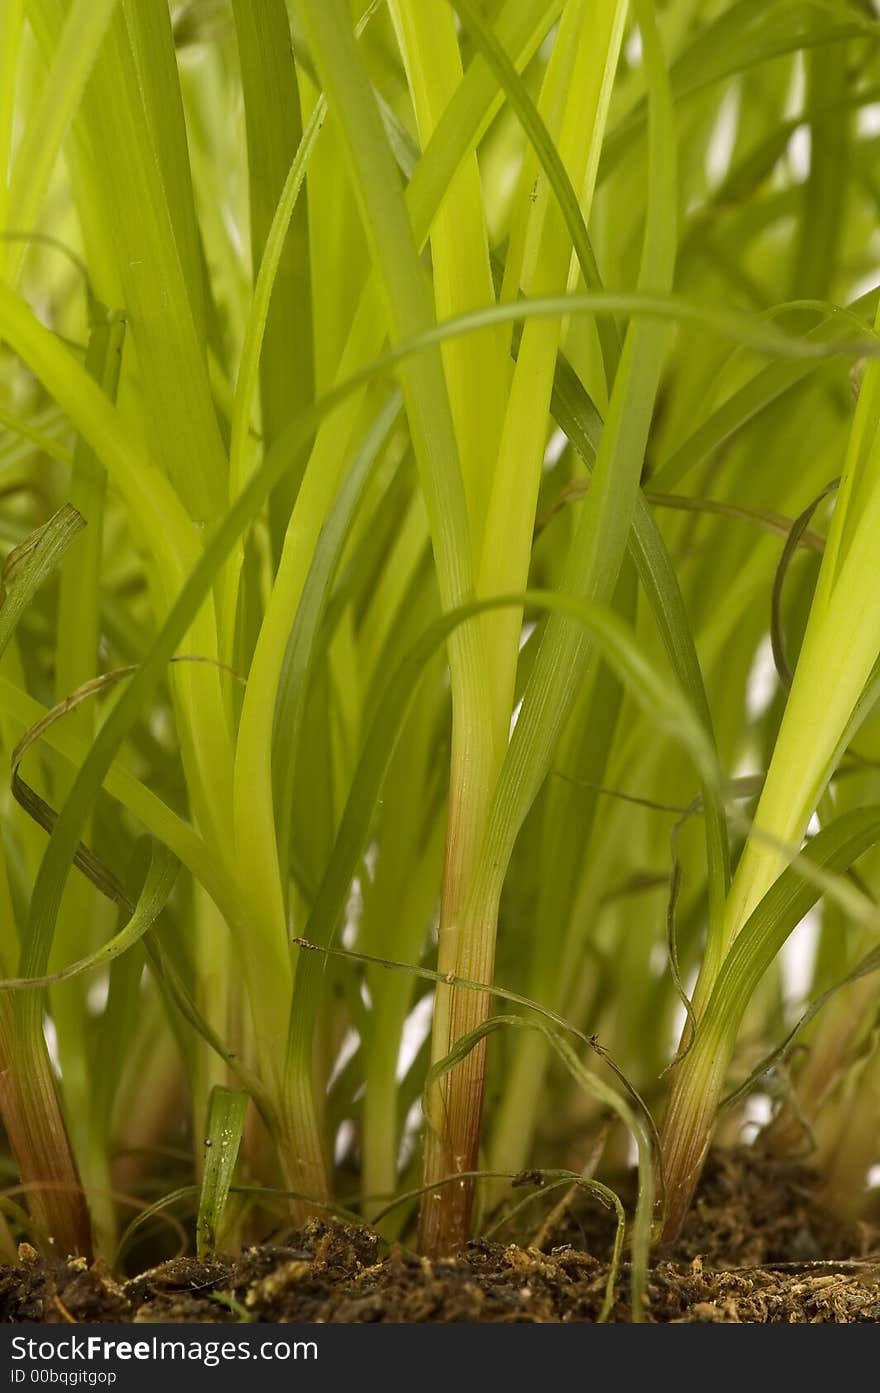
(698,1083)
(157,888)
(79,41)
(274,133)
(11,32)
(301,644)
(610,1100)
(520,28)
(76,652)
(661,701)
(380,195)
(578,418)
(135,143)
(160,820)
(570,204)
(601,535)
(152,48)
(26,568)
(29,431)
(476,370)
(223,1133)
(749,401)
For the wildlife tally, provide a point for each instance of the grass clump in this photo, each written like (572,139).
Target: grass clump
(440,475)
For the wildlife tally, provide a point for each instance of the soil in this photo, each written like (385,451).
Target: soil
(759,1247)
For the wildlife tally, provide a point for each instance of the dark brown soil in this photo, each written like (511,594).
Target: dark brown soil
(759,1247)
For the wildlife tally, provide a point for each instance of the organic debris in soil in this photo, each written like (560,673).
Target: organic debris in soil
(748,1254)
(751,1210)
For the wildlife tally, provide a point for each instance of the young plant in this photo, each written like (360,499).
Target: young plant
(452,392)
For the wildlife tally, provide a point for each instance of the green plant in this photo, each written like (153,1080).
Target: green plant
(452,392)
